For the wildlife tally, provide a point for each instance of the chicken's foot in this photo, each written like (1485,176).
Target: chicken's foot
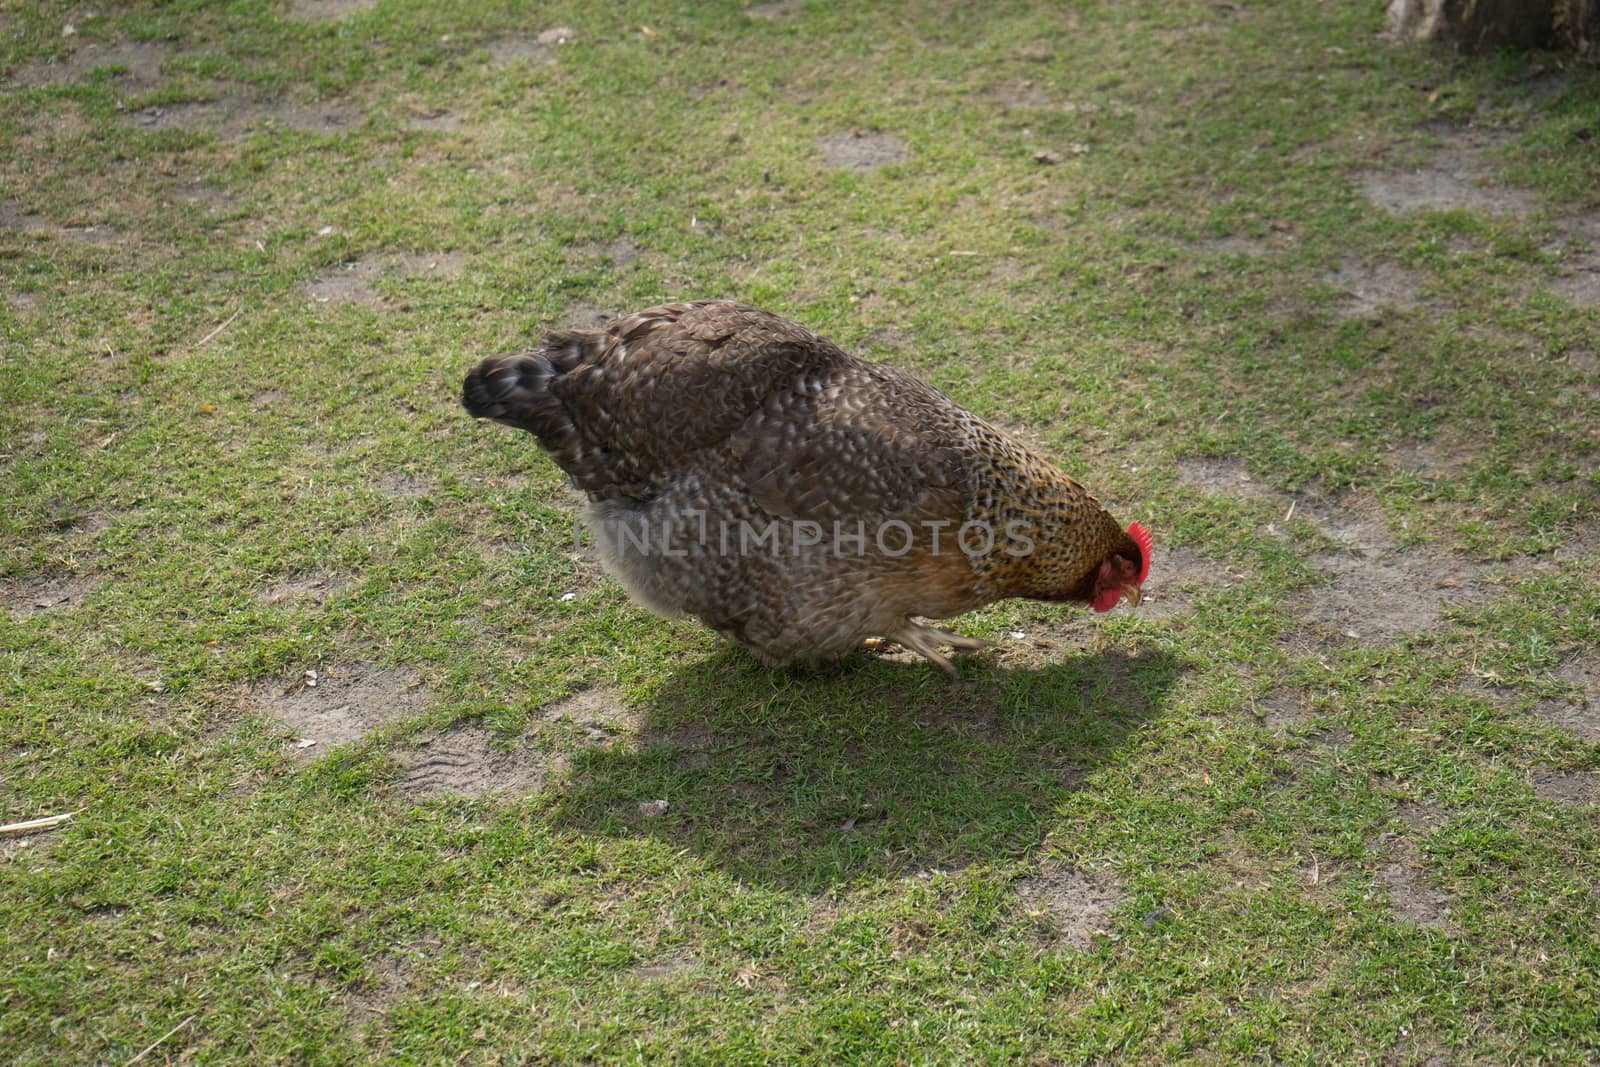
(927,640)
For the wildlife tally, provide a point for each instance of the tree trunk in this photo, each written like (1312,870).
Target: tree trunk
(1578,26)
(1476,26)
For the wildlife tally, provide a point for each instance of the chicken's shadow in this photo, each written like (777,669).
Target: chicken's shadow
(807,781)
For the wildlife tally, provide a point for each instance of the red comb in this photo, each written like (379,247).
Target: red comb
(1141,537)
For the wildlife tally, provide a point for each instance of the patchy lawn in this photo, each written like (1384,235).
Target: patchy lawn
(371,764)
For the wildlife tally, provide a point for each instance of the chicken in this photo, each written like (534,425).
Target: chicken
(742,469)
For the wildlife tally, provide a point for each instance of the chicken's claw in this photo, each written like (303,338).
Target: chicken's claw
(926,640)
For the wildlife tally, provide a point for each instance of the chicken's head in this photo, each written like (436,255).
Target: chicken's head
(1122,573)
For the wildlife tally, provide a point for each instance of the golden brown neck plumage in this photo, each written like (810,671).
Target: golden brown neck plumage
(1019,495)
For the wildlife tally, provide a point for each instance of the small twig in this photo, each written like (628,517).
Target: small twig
(225,324)
(160,1039)
(37,824)
(1290,513)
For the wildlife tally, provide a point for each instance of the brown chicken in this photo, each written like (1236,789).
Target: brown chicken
(744,470)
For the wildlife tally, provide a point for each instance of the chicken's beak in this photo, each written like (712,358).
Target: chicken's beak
(1134,595)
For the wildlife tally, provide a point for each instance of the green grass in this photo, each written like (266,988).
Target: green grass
(837,876)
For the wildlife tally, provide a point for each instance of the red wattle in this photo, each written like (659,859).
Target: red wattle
(1106,599)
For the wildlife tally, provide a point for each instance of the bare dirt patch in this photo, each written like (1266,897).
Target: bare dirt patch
(1022,94)
(1070,906)
(434,120)
(508,51)
(862,151)
(354,282)
(1220,476)
(311,588)
(1436,458)
(1452,177)
(1376,593)
(228,114)
(1368,288)
(1582,543)
(889,338)
(348,283)
(30,849)
(212,199)
(92,235)
(1438,189)
(139,63)
(1232,245)
(1410,895)
(498,548)
(1421,817)
(13,216)
(68,516)
(429,264)
(1356,523)
(324,119)
(1177,576)
(1375,600)
(598,717)
(1574,788)
(1006,270)
(1576,712)
(617,253)
(1330,739)
(336,705)
(1283,709)
(375,997)
(1579,712)
(664,969)
(40,595)
(1581,286)
(587,317)
(465,762)
(1582,230)
(57,123)
(323,10)
(398,485)
(233,116)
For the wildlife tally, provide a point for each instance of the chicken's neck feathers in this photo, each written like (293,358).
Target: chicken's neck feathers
(1048,530)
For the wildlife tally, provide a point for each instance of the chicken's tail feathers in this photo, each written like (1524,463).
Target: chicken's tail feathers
(517,390)
(510,389)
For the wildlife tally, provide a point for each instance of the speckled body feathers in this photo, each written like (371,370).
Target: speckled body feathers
(744,470)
